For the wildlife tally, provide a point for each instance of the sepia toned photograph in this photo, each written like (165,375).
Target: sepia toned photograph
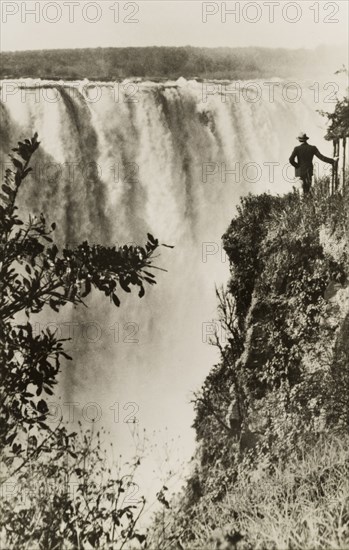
(174,275)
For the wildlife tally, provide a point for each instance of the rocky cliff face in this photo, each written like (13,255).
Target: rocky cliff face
(280,393)
(296,316)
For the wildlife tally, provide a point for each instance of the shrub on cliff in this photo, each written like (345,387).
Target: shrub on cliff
(280,479)
(300,504)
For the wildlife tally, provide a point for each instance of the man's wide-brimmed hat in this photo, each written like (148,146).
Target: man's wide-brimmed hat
(302,136)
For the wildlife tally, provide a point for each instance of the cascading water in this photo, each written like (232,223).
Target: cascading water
(118,162)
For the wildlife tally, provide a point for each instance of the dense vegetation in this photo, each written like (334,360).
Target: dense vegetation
(272,418)
(170,63)
(58,489)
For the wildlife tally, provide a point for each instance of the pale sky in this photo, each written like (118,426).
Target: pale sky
(80,24)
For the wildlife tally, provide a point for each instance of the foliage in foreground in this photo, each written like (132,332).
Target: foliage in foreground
(73,499)
(35,275)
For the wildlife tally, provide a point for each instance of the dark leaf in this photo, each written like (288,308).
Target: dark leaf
(7,189)
(141,292)
(10,439)
(115,300)
(87,288)
(124,285)
(17,163)
(42,406)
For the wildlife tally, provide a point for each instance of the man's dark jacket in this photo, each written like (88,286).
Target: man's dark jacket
(305,154)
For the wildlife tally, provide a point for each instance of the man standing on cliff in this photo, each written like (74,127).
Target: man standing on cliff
(304,163)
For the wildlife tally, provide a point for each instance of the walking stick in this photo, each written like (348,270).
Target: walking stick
(332,175)
(344,161)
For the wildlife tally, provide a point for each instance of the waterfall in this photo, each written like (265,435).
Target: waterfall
(117,161)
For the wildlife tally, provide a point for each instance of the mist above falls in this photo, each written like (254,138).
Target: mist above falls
(118,160)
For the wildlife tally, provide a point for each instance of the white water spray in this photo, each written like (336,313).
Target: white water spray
(166,159)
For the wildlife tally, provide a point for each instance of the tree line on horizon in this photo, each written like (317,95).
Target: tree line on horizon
(169,63)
